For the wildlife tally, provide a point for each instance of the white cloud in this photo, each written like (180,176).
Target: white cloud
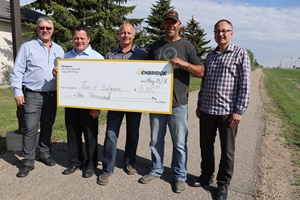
(270,33)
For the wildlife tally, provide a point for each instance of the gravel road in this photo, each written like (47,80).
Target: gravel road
(48,182)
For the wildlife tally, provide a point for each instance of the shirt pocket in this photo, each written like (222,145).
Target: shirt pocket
(232,69)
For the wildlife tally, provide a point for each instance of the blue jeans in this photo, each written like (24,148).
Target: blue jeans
(113,124)
(178,126)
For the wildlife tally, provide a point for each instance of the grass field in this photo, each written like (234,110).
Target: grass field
(284,86)
(9,121)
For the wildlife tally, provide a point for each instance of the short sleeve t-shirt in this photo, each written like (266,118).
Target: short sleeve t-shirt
(183,49)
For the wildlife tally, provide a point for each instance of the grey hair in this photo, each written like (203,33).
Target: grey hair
(44,18)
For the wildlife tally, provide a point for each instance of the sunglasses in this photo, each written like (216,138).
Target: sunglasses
(43,28)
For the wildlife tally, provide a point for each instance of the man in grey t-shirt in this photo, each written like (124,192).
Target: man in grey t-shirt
(182,54)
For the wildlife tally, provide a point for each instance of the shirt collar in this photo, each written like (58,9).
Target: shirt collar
(131,50)
(229,48)
(87,51)
(41,42)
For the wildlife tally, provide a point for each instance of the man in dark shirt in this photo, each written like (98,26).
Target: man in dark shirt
(182,54)
(126,51)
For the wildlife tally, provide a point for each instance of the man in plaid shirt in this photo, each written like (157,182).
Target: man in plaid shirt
(222,100)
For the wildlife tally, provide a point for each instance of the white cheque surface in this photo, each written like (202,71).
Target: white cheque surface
(121,85)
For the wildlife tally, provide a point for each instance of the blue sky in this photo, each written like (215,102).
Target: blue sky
(269,28)
(270,3)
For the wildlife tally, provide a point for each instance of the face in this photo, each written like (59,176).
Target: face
(80,41)
(126,35)
(45,31)
(171,28)
(223,33)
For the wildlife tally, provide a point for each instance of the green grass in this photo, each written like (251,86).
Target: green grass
(9,120)
(195,84)
(284,87)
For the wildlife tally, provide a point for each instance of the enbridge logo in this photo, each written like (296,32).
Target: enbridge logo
(141,71)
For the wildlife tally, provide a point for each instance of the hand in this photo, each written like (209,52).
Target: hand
(95,113)
(177,62)
(55,70)
(198,112)
(20,100)
(234,120)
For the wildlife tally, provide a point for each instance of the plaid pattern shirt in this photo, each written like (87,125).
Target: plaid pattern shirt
(225,88)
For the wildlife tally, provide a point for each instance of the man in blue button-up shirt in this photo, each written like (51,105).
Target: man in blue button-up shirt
(78,120)
(34,87)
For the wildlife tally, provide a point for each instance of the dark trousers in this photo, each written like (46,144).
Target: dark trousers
(21,123)
(114,121)
(209,124)
(39,112)
(79,121)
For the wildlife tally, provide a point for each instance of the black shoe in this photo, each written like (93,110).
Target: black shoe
(88,173)
(222,192)
(70,170)
(48,161)
(202,181)
(24,171)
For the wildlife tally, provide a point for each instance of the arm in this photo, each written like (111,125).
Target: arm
(17,76)
(194,70)
(243,87)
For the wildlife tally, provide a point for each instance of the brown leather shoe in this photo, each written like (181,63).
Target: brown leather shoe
(103,179)
(129,170)
(147,178)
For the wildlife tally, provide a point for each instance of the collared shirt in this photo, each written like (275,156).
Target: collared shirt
(33,67)
(225,88)
(87,53)
(133,54)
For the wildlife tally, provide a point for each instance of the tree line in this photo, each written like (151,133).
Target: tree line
(104,17)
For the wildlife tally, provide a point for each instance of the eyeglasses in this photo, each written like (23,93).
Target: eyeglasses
(222,31)
(43,28)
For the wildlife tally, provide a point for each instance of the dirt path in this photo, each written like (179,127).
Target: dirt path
(48,182)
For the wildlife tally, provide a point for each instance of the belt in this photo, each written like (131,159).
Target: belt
(48,92)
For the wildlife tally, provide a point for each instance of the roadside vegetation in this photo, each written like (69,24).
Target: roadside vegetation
(284,86)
